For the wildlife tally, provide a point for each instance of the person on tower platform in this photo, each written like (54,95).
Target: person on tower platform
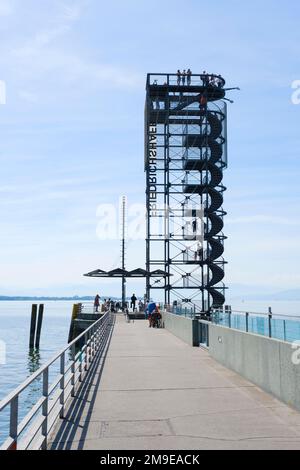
(220,82)
(204,78)
(203,102)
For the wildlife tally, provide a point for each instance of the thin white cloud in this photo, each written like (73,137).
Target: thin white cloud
(45,53)
(72,12)
(67,15)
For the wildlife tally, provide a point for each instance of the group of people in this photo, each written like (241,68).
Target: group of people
(135,304)
(112,305)
(185,77)
(108,304)
(116,306)
(151,309)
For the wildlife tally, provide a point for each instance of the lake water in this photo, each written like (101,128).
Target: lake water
(278,307)
(14,334)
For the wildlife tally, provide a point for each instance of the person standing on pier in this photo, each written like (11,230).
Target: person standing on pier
(183,77)
(97,303)
(178,77)
(189,77)
(133,302)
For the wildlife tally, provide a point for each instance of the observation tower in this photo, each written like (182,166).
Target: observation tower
(185,157)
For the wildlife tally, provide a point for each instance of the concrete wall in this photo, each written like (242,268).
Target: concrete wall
(182,327)
(264,361)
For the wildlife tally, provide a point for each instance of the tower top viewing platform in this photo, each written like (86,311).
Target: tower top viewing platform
(212,85)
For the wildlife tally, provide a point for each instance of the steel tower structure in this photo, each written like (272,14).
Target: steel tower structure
(185,156)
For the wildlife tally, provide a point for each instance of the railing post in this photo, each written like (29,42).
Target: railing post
(270,324)
(229,318)
(247,322)
(284,330)
(86,366)
(62,385)
(101,333)
(13,426)
(73,367)
(96,333)
(207,336)
(80,366)
(45,408)
(90,347)
(93,339)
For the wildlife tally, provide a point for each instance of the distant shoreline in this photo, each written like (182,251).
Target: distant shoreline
(22,299)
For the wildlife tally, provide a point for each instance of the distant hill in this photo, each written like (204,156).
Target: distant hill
(235,292)
(75,298)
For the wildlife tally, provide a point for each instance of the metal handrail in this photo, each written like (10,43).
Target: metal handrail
(88,344)
(274,325)
(201,76)
(281,315)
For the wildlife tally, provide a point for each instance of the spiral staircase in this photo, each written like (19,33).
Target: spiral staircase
(210,168)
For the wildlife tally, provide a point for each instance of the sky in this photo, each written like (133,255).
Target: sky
(71,132)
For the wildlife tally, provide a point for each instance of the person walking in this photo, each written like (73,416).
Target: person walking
(133,302)
(97,303)
(189,77)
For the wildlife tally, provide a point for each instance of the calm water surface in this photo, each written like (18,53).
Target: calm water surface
(20,363)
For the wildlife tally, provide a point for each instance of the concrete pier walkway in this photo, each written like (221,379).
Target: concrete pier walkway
(155,392)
